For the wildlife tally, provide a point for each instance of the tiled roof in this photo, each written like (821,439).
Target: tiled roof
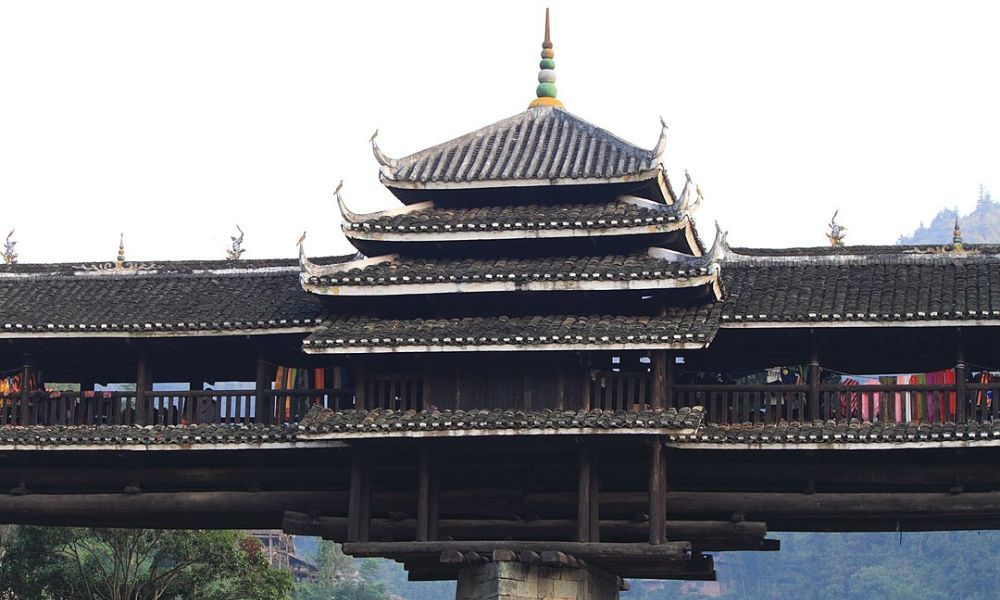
(639,266)
(840,287)
(519,217)
(541,144)
(843,432)
(131,435)
(345,423)
(324,420)
(167,298)
(678,327)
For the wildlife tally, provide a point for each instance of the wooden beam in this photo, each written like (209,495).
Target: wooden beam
(657,492)
(26,417)
(960,378)
(143,384)
(706,535)
(427,515)
(359,508)
(403,550)
(263,392)
(583,493)
(659,358)
(813,375)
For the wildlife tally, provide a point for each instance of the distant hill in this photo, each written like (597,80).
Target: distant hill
(981,226)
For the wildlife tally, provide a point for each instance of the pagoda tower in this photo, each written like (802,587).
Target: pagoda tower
(527,255)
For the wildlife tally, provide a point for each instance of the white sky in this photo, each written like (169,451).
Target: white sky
(172,121)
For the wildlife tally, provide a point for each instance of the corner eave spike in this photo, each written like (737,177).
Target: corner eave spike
(380,156)
(349,216)
(661,144)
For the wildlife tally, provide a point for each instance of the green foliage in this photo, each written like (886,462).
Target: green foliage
(142,564)
(342,578)
(852,566)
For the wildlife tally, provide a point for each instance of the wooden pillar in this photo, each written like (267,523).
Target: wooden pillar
(814,377)
(668,397)
(583,494)
(427,496)
(657,492)
(960,377)
(143,384)
(659,358)
(263,395)
(26,416)
(359,388)
(359,503)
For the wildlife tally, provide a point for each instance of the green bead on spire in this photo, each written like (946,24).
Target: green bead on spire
(546,90)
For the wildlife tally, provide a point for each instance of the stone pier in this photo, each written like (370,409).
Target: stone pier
(512,580)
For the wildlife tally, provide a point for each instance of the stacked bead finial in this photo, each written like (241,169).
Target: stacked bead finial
(546,90)
(956,238)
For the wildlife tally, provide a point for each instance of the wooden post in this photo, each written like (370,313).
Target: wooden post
(814,377)
(657,492)
(142,385)
(359,503)
(583,494)
(359,388)
(595,496)
(668,396)
(27,418)
(427,496)
(263,389)
(659,378)
(960,377)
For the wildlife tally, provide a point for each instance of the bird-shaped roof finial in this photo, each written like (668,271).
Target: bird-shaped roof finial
(546,90)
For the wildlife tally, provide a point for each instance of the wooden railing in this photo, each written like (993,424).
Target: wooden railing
(166,408)
(617,390)
(394,392)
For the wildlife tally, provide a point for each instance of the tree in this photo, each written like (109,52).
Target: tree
(342,578)
(140,564)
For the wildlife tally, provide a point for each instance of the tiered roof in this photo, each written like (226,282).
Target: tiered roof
(543,201)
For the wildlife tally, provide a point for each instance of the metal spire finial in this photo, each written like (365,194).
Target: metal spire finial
(9,254)
(546,90)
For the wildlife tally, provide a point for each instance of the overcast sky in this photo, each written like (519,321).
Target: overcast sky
(173,121)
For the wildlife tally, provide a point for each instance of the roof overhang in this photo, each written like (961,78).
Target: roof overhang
(682,344)
(470,234)
(457,287)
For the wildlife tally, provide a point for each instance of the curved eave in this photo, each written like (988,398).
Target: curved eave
(471,234)
(387,179)
(24,332)
(459,287)
(674,344)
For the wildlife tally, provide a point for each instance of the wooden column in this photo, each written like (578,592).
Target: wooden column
(657,492)
(668,397)
(26,418)
(960,377)
(583,493)
(814,377)
(659,378)
(359,388)
(263,389)
(427,496)
(359,503)
(143,384)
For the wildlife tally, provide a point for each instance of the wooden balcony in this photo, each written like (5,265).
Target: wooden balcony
(604,390)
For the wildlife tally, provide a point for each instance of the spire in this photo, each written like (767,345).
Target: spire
(956,239)
(121,249)
(546,90)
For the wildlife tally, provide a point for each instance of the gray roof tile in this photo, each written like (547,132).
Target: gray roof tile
(541,144)
(676,327)
(519,217)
